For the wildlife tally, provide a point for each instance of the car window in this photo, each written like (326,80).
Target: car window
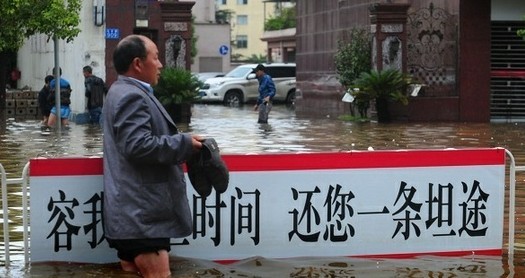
(239,72)
(279,72)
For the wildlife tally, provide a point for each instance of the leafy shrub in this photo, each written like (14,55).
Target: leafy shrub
(390,84)
(176,86)
(283,20)
(353,57)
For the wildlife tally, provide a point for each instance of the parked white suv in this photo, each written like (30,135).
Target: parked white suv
(240,85)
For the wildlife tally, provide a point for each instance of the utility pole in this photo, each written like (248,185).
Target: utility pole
(57,87)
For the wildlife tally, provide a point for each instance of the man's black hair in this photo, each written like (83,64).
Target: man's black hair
(88,69)
(59,71)
(130,48)
(49,78)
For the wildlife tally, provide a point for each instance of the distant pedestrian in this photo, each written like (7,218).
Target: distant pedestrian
(266,94)
(65,101)
(95,93)
(43,102)
(14,76)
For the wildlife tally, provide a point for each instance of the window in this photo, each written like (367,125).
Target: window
(221,2)
(280,71)
(242,20)
(242,41)
(242,2)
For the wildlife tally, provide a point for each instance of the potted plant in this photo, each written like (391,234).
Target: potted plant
(383,86)
(177,89)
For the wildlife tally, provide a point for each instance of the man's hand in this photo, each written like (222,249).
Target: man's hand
(255,107)
(196,142)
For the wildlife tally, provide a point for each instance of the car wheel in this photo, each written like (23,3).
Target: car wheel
(233,98)
(290,98)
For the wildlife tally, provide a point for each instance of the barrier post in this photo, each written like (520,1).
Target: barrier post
(5,207)
(25,224)
(512,199)
(5,216)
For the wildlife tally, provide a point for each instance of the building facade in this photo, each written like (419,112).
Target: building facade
(443,44)
(246,18)
(280,45)
(465,52)
(213,39)
(36,58)
(103,24)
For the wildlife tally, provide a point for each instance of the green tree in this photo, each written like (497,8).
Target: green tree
(20,19)
(353,57)
(224,16)
(284,19)
(194,39)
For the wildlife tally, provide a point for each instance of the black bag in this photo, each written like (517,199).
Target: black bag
(65,96)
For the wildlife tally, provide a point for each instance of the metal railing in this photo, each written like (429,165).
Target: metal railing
(23,181)
(512,198)
(5,210)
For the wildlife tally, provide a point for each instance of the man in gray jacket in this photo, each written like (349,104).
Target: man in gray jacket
(145,202)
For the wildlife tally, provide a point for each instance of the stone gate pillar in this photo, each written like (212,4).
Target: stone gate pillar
(389,30)
(176,35)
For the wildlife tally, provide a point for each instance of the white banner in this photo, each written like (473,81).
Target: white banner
(344,204)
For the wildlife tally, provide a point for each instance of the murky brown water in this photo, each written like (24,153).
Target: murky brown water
(236,131)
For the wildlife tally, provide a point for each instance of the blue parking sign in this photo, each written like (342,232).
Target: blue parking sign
(223,49)
(112,33)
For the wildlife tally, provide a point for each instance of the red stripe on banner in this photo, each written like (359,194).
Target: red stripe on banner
(69,166)
(302,161)
(366,159)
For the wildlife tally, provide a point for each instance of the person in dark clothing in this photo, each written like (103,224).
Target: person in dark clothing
(15,75)
(266,94)
(145,199)
(43,103)
(95,93)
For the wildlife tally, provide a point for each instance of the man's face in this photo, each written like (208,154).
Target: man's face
(150,69)
(258,73)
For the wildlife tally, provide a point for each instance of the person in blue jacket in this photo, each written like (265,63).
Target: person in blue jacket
(65,101)
(266,94)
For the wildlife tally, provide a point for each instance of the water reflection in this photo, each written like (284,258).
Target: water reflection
(424,266)
(236,130)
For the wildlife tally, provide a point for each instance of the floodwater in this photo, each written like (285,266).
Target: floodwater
(236,131)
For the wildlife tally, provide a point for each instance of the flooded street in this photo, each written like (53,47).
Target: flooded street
(237,132)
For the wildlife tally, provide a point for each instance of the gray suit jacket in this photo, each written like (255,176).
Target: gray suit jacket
(144,184)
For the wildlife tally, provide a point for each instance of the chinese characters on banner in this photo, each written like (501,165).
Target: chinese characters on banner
(308,206)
